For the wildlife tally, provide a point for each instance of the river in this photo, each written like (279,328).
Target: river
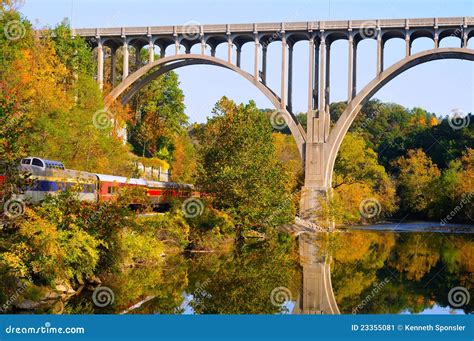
(371,270)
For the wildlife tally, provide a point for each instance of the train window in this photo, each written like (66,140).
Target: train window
(37,162)
(25,161)
(112,190)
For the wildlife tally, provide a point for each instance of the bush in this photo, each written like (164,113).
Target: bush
(139,248)
(170,228)
(210,229)
(42,249)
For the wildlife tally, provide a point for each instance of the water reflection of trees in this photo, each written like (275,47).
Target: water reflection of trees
(420,269)
(160,287)
(241,283)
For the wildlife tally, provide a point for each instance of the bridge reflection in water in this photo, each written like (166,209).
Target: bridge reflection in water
(316,295)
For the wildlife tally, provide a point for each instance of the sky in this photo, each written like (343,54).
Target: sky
(437,86)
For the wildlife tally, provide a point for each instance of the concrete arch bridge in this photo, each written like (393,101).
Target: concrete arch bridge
(318,144)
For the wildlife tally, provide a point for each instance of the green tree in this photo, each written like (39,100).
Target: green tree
(416,177)
(240,168)
(160,117)
(358,177)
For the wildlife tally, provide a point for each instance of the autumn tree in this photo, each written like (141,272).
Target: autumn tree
(358,177)
(240,169)
(416,177)
(160,117)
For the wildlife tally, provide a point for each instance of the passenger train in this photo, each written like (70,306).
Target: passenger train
(49,177)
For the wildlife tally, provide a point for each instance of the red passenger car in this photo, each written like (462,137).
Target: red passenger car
(110,185)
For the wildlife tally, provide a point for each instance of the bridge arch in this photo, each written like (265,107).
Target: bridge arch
(145,75)
(353,108)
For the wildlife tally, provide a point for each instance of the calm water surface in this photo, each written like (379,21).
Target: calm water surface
(359,271)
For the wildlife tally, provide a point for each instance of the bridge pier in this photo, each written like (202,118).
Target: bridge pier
(310,200)
(317,180)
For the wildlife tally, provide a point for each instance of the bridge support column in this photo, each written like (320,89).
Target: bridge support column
(290,77)
(256,67)
(283,71)
(379,53)
(138,57)
(350,68)
(316,180)
(407,45)
(323,112)
(100,64)
(239,54)
(327,89)
(151,51)
(229,50)
(125,59)
(112,66)
(176,47)
(315,186)
(264,63)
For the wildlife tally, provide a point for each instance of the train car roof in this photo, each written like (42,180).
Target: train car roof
(121,179)
(165,184)
(156,184)
(46,163)
(61,174)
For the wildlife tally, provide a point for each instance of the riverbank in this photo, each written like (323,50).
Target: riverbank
(415,226)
